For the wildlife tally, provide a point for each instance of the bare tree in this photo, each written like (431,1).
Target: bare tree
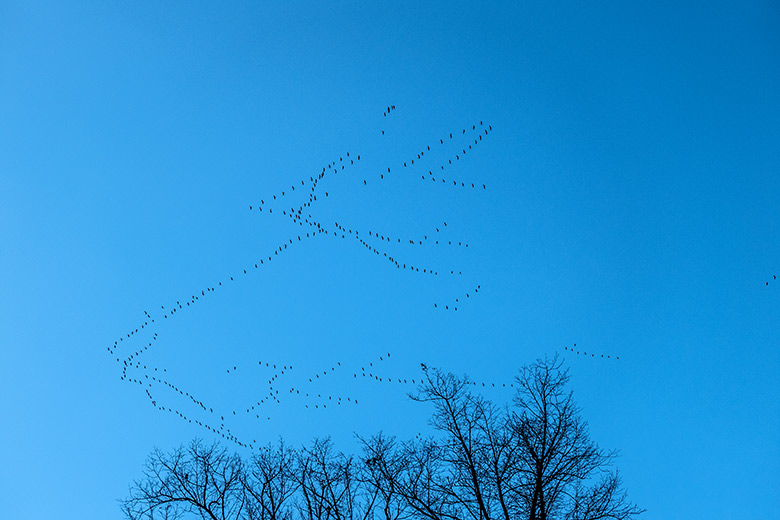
(533,460)
(558,461)
(380,460)
(269,483)
(330,485)
(410,478)
(200,479)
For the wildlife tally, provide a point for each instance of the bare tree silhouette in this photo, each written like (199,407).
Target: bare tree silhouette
(200,479)
(532,460)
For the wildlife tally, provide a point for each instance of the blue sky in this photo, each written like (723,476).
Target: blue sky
(630,207)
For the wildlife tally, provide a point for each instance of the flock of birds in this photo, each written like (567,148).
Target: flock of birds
(304,392)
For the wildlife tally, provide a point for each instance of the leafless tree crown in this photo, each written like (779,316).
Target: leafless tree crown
(532,460)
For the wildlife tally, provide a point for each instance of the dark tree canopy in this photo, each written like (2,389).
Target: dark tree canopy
(532,460)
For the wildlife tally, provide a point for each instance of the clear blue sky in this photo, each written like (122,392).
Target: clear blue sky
(631,207)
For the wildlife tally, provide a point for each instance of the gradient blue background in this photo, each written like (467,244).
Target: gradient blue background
(632,208)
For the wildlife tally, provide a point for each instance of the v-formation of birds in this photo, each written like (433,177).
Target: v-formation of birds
(305,394)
